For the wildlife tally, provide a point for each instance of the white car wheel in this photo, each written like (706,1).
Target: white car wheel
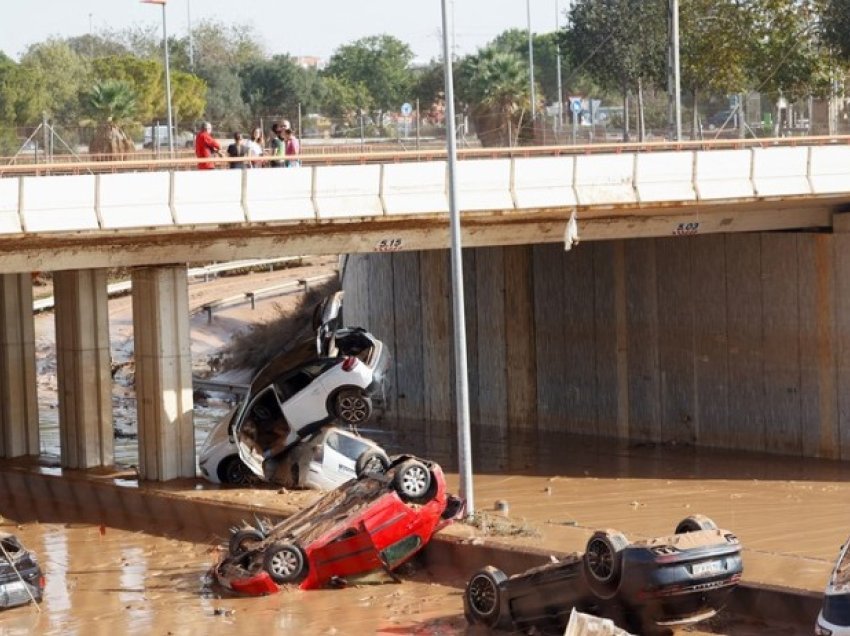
(352,407)
(412,480)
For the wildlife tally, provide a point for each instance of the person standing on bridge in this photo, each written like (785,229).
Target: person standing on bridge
(237,149)
(292,148)
(206,146)
(278,145)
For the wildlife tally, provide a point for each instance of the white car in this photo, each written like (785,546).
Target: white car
(340,374)
(834,617)
(323,461)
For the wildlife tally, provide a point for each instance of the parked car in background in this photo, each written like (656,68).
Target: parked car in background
(21,580)
(678,579)
(376,522)
(323,461)
(834,616)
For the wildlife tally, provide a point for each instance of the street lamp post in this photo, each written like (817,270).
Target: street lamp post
(462,385)
(558,68)
(189,30)
(167,75)
(531,62)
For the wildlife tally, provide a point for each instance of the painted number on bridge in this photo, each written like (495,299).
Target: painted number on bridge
(686,229)
(388,245)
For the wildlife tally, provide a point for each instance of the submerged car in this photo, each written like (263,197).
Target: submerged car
(21,580)
(338,375)
(376,522)
(323,461)
(834,616)
(678,579)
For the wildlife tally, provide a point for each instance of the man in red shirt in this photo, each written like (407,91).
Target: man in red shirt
(206,146)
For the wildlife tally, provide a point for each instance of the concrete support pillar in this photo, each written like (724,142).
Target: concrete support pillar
(163,373)
(84,370)
(18,399)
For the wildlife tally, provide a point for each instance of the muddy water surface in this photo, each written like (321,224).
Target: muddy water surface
(106,581)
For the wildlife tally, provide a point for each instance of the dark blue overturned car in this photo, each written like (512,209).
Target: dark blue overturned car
(674,580)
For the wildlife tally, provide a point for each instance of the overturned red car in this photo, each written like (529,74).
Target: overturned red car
(376,522)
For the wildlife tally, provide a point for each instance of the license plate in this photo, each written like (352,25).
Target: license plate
(707,568)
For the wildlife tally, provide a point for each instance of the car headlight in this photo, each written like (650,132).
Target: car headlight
(822,631)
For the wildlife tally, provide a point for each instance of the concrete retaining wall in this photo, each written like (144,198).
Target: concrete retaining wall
(731,341)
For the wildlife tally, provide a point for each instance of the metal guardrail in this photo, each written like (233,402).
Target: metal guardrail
(200,384)
(124,287)
(256,294)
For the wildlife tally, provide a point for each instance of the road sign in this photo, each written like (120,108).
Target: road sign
(406,109)
(575,105)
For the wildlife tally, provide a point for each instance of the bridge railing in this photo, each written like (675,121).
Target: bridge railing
(507,181)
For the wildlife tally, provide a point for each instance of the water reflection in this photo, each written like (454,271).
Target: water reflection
(545,453)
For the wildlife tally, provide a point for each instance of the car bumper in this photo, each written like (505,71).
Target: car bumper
(259,584)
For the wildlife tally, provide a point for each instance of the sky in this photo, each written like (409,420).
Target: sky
(307,28)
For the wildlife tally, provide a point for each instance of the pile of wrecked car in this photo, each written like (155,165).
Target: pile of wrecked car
(381,511)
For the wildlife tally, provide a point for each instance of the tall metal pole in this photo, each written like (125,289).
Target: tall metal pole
(167,85)
(191,41)
(464,441)
(558,68)
(531,62)
(677,75)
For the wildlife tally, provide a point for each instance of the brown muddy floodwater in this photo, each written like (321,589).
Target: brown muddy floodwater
(106,581)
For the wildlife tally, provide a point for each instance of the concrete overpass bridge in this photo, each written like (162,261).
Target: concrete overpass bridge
(652,332)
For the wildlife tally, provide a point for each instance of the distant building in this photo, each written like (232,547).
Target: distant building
(310,61)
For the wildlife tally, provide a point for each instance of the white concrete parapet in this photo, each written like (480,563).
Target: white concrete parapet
(781,171)
(347,191)
(208,197)
(544,182)
(723,174)
(415,188)
(484,185)
(135,199)
(10,221)
(605,179)
(665,177)
(829,169)
(279,194)
(55,204)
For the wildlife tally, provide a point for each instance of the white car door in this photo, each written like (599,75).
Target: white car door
(310,404)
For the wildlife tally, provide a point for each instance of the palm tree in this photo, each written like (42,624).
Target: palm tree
(110,104)
(496,87)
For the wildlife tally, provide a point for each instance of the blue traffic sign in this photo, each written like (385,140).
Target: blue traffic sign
(575,106)
(406,109)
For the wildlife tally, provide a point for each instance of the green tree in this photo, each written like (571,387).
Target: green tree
(429,85)
(110,100)
(342,100)
(495,85)
(621,43)
(144,77)
(62,75)
(188,98)
(835,27)
(545,57)
(225,105)
(270,87)
(379,62)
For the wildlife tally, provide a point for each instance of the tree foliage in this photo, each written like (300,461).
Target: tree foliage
(379,62)
(110,100)
(495,85)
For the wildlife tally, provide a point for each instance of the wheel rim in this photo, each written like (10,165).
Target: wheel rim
(374,465)
(237,473)
(284,563)
(414,481)
(600,560)
(353,409)
(483,595)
